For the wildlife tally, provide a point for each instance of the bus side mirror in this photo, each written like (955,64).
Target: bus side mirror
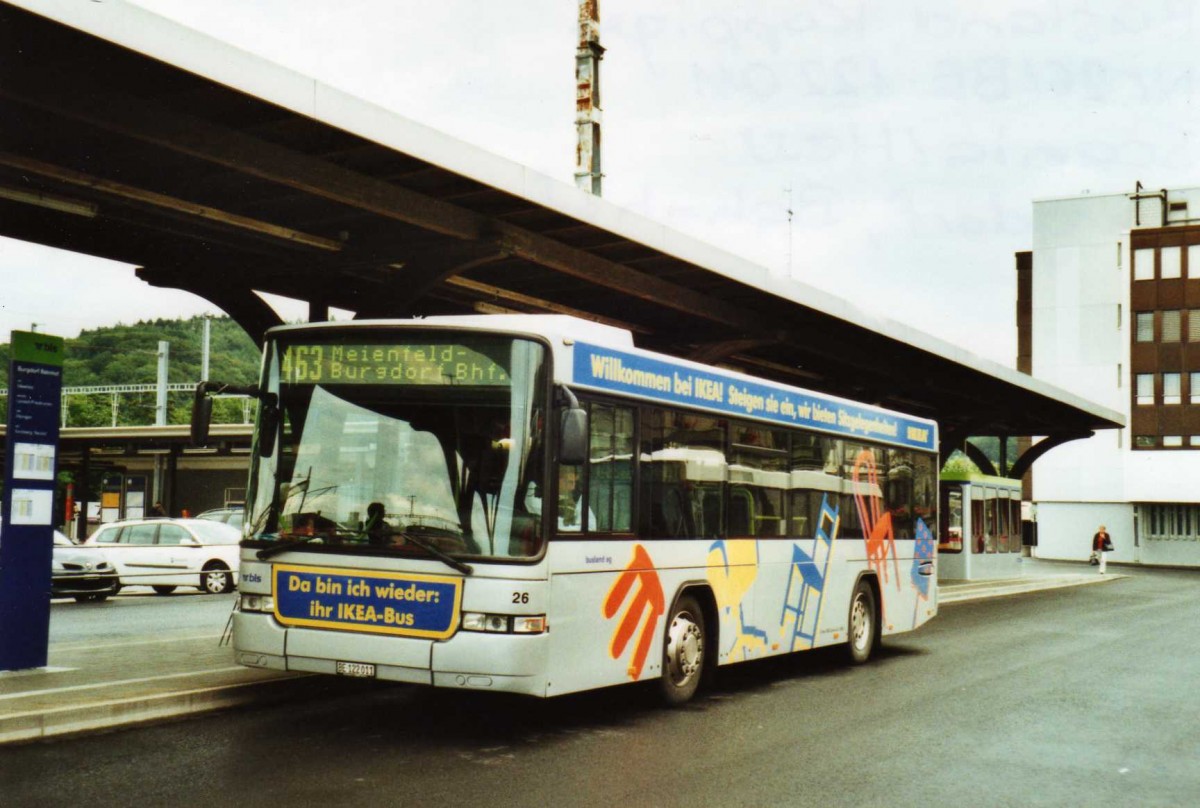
(573,430)
(202,407)
(573,438)
(268,426)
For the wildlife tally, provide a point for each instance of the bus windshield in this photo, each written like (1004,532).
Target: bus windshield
(403,443)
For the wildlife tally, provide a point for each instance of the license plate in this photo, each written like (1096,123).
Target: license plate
(363,670)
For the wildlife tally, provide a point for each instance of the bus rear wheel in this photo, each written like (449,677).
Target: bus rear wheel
(861,624)
(683,652)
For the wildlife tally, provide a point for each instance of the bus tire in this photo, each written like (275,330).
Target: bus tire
(861,623)
(683,651)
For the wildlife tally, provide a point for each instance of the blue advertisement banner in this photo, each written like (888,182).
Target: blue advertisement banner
(407,605)
(27,505)
(669,382)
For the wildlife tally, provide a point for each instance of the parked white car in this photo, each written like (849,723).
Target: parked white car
(168,553)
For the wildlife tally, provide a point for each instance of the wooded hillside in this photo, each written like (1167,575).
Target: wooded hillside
(128,354)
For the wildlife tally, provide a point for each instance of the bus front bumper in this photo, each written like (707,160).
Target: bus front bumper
(509,663)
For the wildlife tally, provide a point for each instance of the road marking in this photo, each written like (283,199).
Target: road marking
(118,682)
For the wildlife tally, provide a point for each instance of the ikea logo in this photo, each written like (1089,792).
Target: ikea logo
(917,433)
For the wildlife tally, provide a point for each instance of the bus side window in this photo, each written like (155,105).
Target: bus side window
(758,475)
(741,511)
(682,473)
(610,469)
(812,479)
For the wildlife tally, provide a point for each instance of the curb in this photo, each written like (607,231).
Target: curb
(121,713)
(997,589)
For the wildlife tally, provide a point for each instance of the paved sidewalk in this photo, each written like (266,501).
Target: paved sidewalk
(1035,575)
(95,686)
(91,687)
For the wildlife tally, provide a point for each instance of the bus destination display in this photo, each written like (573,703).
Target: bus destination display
(416,364)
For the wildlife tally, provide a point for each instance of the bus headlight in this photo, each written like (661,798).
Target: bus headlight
(503,623)
(257,603)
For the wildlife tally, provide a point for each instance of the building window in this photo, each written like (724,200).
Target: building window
(1171,388)
(1194,387)
(1170,326)
(1145,388)
(1193,441)
(1193,261)
(1172,441)
(1143,264)
(1194,319)
(1145,326)
(1171,262)
(1143,441)
(1170,522)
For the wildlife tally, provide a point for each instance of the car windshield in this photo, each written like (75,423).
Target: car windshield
(421,443)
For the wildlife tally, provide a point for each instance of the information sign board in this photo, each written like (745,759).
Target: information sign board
(27,506)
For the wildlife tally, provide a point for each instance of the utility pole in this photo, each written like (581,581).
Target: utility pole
(160,414)
(204,349)
(587,98)
(160,405)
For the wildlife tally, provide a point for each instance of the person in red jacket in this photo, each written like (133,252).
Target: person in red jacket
(1101,545)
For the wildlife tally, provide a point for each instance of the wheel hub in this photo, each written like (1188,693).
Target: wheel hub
(859,623)
(685,649)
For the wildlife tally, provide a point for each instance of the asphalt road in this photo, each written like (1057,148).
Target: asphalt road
(1083,696)
(139,612)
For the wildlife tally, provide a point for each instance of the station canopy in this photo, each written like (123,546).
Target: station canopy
(130,137)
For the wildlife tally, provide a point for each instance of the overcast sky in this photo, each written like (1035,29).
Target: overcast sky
(909,138)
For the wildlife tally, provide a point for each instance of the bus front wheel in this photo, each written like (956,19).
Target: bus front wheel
(683,651)
(862,623)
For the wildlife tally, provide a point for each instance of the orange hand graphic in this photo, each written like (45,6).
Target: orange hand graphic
(647,602)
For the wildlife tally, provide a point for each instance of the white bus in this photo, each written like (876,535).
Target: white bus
(695,517)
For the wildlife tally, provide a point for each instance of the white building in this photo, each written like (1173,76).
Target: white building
(1115,318)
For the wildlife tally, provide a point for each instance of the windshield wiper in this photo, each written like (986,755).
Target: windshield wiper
(444,557)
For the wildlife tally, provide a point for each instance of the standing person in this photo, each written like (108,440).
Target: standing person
(1101,545)
(158,510)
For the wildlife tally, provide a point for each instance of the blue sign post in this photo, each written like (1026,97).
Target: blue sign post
(27,506)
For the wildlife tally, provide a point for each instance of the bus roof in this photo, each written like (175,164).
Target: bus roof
(603,358)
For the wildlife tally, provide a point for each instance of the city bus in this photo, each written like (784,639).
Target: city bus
(531,504)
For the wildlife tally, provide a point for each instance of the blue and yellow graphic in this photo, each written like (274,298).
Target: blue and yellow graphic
(806,582)
(732,570)
(406,605)
(923,553)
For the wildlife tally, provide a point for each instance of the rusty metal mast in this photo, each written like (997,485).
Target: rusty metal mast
(587,98)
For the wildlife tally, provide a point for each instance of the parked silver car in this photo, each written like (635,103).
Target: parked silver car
(168,553)
(230,516)
(83,573)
